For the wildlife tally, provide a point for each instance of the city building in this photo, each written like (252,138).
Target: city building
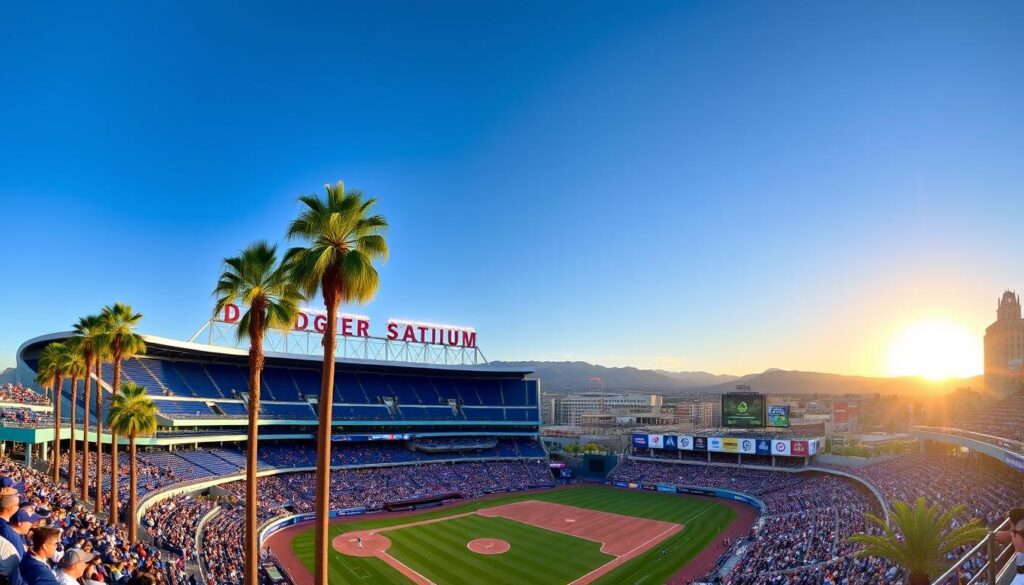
(701,413)
(570,408)
(1004,347)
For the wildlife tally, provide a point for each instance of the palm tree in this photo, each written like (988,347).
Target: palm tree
(342,239)
(50,375)
(101,355)
(87,330)
(920,538)
(73,364)
(119,335)
(256,278)
(132,413)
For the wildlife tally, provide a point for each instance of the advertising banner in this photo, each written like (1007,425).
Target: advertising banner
(780,448)
(671,442)
(798,448)
(700,443)
(730,445)
(715,444)
(686,443)
(666,488)
(633,485)
(620,483)
(639,440)
(654,442)
(748,446)
(812,447)
(1014,461)
(764,447)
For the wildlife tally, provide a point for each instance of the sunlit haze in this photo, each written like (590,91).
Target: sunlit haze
(935,350)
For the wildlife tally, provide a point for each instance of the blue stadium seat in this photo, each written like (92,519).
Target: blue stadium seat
(361,412)
(183,409)
(489,391)
(287,411)
(233,408)
(197,379)
(484,413)
(229,378)
(279,380)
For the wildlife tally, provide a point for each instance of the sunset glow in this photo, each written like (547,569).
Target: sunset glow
(935,350)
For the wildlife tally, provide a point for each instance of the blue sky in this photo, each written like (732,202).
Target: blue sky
(687,185)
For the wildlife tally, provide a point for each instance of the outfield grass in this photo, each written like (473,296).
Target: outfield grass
(438,551)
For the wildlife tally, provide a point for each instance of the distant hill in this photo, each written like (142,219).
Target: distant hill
(776,381)
(575,376)
(7,376)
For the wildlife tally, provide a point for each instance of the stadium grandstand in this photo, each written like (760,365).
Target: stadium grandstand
(406,436)
(410,436)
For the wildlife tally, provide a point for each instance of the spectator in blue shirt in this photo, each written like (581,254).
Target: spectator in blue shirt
(35,567)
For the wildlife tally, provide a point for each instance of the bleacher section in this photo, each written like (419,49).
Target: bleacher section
(287,411)
(357,395)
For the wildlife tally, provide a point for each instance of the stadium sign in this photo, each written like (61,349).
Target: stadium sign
(1014,461)
(780,448)
(313,320)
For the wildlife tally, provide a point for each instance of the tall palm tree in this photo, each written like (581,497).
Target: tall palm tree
(132,414)
(101,354)
(256,278)
(50,375)
(73,364)
(87,330)
(119,335)
(919,537)
(342,238)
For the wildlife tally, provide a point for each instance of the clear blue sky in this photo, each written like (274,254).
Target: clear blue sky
(726,186)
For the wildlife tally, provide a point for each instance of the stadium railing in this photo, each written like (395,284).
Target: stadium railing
(1008,444)
(998,568)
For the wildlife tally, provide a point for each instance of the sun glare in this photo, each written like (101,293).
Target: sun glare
(936,350)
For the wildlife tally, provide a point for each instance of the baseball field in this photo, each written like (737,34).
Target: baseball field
(570,536)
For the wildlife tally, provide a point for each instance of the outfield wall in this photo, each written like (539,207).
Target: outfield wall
(693,490)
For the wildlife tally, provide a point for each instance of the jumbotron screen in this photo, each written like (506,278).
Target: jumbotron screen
(743,411)
(778,416)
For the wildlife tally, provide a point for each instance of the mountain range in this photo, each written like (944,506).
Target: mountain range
(562,377)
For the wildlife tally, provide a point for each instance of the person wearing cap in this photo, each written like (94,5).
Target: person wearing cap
(8,507)
(73,566)
(35,567)
(9,487)
(1015,536)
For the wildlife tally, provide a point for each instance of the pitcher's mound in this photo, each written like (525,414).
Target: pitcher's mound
(488,546)
(361,544)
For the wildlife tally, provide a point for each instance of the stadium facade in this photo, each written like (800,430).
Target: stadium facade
(201,390)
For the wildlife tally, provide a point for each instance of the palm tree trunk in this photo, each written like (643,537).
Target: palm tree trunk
(114,502)
(252,450)
(99,433)
(133,484)
(85,430)
(71,455)
(323,439)
(55,455)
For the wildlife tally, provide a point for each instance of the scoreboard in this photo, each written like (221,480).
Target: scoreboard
(743,411)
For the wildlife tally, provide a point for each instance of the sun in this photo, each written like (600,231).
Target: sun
(935,350)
